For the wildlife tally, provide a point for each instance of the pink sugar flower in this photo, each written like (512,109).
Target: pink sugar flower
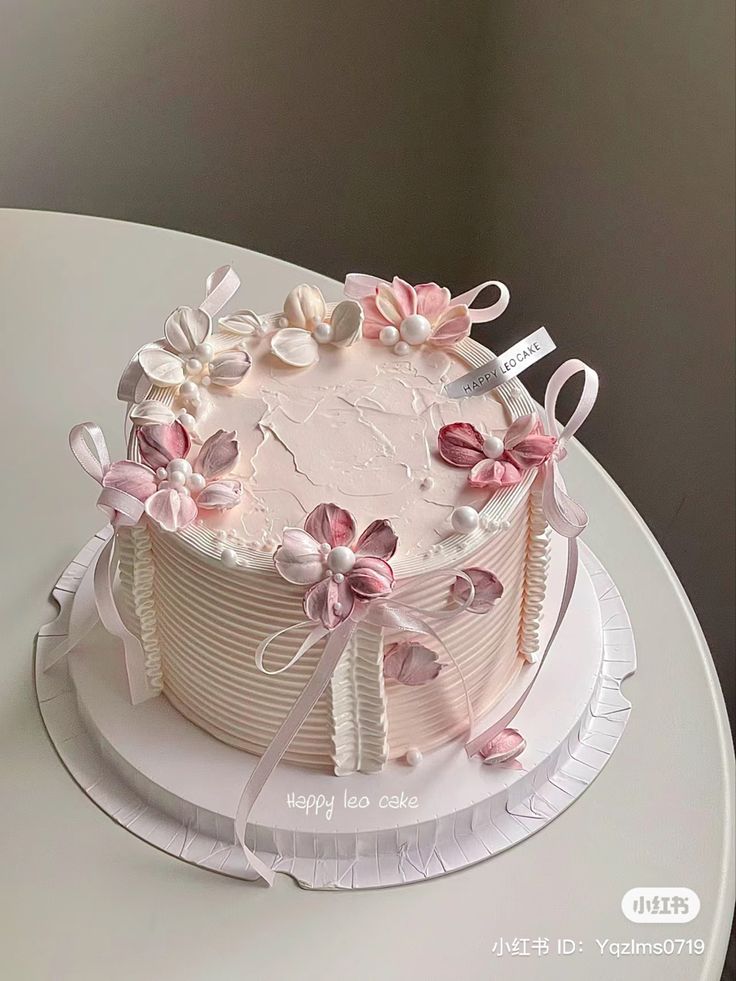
(496,462)
(417,314)
(173,490)
(339,574)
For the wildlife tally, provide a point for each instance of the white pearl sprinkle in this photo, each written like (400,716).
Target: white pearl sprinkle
(401,348)
(193,365)
(162,473)
(493,447)
(389,336)
(196,482)
(206,381)
(177,479)
(325,548)
(229,558)
(282,322)
(188,388)
(413,757)
(339,577)
(464,520)
(188,421)
(323,333)
(337,609)
(415,329)
(203,352)
(180,464)
(341,559)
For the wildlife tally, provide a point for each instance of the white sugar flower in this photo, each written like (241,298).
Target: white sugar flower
(308,326)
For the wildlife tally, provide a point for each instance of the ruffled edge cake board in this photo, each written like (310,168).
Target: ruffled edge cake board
(176,787)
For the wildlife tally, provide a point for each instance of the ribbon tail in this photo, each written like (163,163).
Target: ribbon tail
(301,708)
(477,743)
(135,662)
(222,285)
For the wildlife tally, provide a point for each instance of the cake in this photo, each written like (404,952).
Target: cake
(330,538)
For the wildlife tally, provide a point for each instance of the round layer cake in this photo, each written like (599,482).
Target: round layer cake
(357,428)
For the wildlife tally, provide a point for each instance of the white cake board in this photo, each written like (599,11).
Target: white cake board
(176,787)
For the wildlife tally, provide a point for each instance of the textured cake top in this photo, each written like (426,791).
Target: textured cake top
(341,402)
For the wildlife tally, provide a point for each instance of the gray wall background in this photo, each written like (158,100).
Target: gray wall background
(580,151)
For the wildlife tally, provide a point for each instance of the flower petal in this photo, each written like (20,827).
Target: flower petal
(532,451)
(370,577)
(494,474)
(410,664)
(379,540)
(132,478)
(432,301)
(218,455)
(220,495)
(161,444)
(395,305)
(519,429)
(487,586)
(305,306)
(374,321)
(151,413)
(332,524)
(507,745)
(162,367)
(244,323)
(460,444)
(229,368)
(186,327)
(454,325)
(171,510)
(298,559)
(329,602)
(295,346)
(347,323)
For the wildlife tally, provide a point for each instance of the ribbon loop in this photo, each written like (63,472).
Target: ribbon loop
(221,286)
(482,315)
(88,445)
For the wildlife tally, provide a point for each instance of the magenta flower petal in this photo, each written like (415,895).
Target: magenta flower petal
(171,510)
(230,368)
(370,577)
(374,321)
(132,478)
(494,474)
(454,325)
(506,746)
(161,444)
(379,539)
(332,524)
(220,495)
(218,455)
(298,559)
(410,664)
(460,444)
(487,586)
(329,602)
(432,301)
(532,451)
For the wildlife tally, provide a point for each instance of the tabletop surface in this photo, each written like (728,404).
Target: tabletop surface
(82,898)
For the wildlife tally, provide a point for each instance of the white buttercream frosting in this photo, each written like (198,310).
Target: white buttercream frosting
(359,427)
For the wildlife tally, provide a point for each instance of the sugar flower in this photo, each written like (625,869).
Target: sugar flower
(307,326)
(401,315)
(338,573)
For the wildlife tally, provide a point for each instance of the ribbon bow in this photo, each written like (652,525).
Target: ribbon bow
(123,510)
(383,612)
(358,286)
(221,286)
(564,515)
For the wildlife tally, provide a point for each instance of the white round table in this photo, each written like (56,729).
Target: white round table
(83,899)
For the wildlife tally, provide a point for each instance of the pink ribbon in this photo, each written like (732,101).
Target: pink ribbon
(388,612)
(358,286)
(221,286)
(563,514)
(123,510)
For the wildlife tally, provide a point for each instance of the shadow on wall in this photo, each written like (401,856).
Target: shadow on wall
(581,152)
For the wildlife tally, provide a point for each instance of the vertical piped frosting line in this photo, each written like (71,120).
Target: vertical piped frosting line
(535,581)
(358,706)
(137,573)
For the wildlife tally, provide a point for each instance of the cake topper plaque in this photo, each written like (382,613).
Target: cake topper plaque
(508,365)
